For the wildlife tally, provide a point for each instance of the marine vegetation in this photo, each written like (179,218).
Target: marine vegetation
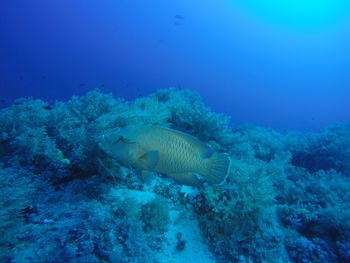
(67,198)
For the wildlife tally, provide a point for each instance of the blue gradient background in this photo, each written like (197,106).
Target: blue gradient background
(281,64)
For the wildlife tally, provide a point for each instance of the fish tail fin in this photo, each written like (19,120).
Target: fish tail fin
(217,168)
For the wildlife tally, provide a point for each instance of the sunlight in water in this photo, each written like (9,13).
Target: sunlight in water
(299,14)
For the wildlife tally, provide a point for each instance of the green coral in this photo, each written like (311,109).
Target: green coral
(69,132)
(17,192)
(240,216)
(285,192)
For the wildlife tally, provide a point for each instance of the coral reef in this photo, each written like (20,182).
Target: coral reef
(285,199)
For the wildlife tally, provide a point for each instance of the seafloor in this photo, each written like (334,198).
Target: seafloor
(286,198)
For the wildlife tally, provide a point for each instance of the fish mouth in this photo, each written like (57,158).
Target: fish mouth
(102,144)
(102,140)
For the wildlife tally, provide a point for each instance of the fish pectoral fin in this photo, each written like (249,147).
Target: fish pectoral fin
(149,159)
(147,176)
(188,178)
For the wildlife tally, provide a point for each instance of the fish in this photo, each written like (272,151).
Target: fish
(47,107)
(155,149)
(180,17)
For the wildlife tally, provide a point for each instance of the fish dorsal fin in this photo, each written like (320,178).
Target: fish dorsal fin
(149,160)
(203,150)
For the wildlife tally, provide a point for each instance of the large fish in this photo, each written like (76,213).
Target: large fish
(173,153)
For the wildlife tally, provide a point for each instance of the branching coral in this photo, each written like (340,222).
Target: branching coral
(17,191)
(241,214)
(285,199)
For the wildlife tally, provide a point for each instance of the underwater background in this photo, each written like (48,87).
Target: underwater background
(265,82)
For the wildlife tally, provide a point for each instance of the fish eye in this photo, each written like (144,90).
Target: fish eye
(118,140)
(125,140)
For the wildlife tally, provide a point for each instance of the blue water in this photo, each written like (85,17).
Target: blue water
(174,131)
(282,65)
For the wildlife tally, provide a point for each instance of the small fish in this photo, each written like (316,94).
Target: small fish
(180,17)
(173,153)
(47,107)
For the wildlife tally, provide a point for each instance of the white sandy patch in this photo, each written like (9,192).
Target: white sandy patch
(195,249)
(141,197)
(182,221)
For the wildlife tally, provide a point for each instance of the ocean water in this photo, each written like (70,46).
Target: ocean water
(263,84)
